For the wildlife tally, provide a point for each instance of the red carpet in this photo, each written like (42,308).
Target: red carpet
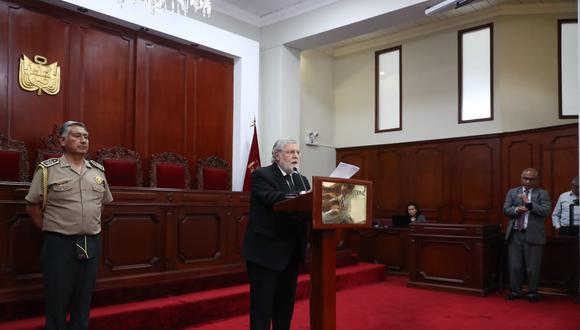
(194,308)
(391,305)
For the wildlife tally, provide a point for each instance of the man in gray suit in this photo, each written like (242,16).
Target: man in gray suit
(526,206)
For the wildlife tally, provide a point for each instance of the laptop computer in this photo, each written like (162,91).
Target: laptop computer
(401,221)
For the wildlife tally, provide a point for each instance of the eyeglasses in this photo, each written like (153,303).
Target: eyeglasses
(528,178)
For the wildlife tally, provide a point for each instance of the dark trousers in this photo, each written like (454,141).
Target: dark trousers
(568,231)
(524,256)
(68,282)
(272,295)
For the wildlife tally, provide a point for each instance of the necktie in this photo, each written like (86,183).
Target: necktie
(571,218)
(298,182)
(290,183)
(520,222)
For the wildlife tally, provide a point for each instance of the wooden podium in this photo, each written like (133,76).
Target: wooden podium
(332,204)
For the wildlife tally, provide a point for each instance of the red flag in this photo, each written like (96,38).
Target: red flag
(253,161)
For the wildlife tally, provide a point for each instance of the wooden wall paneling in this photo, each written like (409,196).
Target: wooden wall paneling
(228,127)
(236,222)
(434,251)
(241,223)
(560,264)
(201,236)
(389,246)
(189,143)
(133,241)
(429,187)
(73,70)
(389,185)
(454,176)
(4,36)
(106,85)
(476,190)
(140,244)
(167,71)
(142,91)
(164,69)
(21,259)
(559,165)
(132,89)
(214,112)
(519,152)
(34,33)
(170,237)
(356,158)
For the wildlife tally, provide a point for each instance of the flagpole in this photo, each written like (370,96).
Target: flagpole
(253,159)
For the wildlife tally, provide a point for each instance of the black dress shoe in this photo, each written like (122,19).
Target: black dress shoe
(533,298)
(513,296)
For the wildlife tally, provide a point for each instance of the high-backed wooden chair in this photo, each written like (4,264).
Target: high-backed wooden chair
(13,160)
(169,170)
(52,147)
(122,166)
(213,174)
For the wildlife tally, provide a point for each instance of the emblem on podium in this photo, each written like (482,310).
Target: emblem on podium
(38,76)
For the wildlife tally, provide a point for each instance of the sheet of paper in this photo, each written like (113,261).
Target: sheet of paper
(344,171)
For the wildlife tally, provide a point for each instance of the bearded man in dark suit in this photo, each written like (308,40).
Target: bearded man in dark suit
(275,242)
(527,207)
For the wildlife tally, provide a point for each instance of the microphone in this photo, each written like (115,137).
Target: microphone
(300,176)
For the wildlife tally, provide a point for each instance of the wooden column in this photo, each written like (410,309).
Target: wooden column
(323,280)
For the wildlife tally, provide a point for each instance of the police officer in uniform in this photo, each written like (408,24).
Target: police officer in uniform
(65,200)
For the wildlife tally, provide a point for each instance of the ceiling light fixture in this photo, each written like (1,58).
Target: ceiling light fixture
(180,7)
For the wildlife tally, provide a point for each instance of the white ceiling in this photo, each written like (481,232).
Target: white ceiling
(262,8)
(265,12)
(261,13)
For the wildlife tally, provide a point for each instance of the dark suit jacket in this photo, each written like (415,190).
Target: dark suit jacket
(272,237)
(535,232)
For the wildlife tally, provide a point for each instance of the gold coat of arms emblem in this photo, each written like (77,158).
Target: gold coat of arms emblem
(38,76)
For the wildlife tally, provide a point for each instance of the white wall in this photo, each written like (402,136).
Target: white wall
(525,85)
(527,66)
(317,112)
(279,98)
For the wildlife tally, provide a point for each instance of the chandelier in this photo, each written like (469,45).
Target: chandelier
(180,7)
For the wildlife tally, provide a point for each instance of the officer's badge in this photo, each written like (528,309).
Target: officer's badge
(98,180)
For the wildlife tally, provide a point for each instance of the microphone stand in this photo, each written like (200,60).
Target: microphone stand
(300,176)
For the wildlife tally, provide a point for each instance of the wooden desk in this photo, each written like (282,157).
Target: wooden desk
(454,257)
(150,235)
(383,245)
(390,246)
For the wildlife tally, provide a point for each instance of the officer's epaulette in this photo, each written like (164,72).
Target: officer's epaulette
(49,162)
(97,165)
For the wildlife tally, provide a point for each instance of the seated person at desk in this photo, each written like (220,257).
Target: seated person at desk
(415,213)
